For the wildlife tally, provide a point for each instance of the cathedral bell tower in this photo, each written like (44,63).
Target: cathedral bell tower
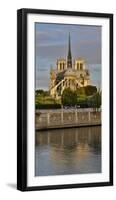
(69,57)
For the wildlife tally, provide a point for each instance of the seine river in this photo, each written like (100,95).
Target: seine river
(68,151)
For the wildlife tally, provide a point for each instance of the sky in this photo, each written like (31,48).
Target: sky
(51,43)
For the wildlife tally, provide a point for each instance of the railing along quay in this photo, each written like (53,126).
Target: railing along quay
(66,118)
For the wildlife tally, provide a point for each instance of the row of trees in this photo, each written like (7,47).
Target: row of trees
(89,97)
(87,90)
(83,97)
(41,92)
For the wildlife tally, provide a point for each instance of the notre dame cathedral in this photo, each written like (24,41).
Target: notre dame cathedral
(68,74)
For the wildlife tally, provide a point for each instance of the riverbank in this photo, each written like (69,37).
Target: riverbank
(67,126)
(66,119)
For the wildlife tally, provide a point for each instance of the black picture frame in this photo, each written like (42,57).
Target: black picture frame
(22,98)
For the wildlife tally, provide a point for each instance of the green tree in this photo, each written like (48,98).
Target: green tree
(39,92)
(69,97)
(87,90)
(90,90)
(80,91)
(95,100)
(42,93)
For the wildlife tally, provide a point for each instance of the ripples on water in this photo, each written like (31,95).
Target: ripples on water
(68,151)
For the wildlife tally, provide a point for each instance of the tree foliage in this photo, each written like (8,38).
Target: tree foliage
(80,91)
(95,100)
(87,90)
(90,90)
(42,92)
(69,97)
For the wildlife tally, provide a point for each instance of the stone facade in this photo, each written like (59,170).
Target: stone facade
(68,74)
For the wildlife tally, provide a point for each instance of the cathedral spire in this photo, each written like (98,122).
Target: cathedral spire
(69,57)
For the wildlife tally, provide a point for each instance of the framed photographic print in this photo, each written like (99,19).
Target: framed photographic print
(65,99)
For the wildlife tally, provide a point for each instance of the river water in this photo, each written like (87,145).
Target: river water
(68,151)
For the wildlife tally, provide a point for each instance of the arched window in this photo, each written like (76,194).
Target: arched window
(81,66)
(77,66)
(60,66)
(63,66)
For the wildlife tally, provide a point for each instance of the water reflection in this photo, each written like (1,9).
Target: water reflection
(68,151)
